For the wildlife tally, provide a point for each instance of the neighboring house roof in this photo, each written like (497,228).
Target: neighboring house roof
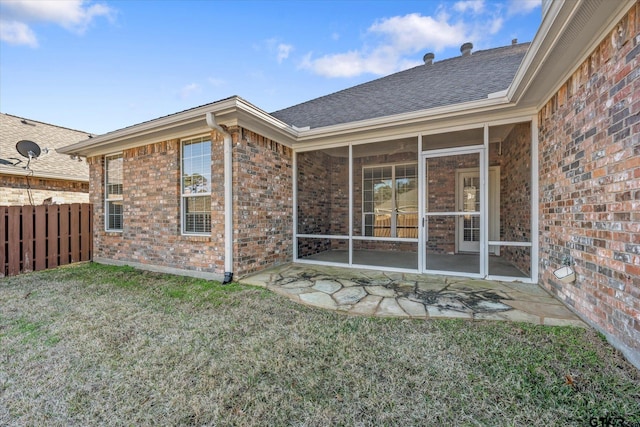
(451,81)
(50,164)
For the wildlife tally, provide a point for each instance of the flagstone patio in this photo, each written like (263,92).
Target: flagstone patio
(391,294)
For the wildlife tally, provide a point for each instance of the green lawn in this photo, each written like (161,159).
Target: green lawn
(99,345)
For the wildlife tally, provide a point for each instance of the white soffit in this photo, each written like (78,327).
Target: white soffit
(570,31)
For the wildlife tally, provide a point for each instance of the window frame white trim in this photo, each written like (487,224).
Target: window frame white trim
(394,225)
(203,138)
(106,193)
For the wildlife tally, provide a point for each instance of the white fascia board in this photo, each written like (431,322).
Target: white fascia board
(555,24)
(180,125)
(589,48)
(532,59)
(257,115)
(153,126)
(42,175)
(458,123)
(405,118)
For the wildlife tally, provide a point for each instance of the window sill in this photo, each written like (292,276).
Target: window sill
(197,237)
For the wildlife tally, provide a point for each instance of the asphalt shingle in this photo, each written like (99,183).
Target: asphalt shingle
(47,136)
(447,82)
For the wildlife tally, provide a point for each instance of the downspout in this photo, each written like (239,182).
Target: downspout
(228,198)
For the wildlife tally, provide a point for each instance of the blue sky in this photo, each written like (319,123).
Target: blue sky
(98,66)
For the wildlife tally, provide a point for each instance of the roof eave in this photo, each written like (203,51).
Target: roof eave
(232,111)
(35,174)
(559,47)
(414,117)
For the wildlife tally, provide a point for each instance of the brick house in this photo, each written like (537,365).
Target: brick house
(502,163)
(52,177)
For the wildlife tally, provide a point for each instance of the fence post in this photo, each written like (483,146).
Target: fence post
(14,240)
(64,234)
(75,232)
(41,238)
(85,232)
(3,240)
(27,239)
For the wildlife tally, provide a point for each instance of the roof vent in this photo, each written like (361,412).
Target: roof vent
(466,48)
(428,58)
(514,41)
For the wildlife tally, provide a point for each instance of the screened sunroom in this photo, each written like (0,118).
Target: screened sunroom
(455,202)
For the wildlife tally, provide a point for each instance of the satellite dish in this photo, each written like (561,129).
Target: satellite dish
(28,149)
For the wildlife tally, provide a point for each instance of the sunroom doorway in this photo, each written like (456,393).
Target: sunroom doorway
(478,202)
(453,210)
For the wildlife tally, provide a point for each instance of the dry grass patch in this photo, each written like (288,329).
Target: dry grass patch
(99,345)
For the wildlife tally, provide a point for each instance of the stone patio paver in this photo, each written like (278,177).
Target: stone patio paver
(367,305)
(380,291)
(327,286)
(319,299)
(350,295)
(412,308)
(389,307)
(394,294)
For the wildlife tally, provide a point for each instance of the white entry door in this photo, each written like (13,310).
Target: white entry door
(468,193)
(468,199)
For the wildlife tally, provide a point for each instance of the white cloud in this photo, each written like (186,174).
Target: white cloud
(17,33)
(402,35)
(189,90)
(73,15)
(411,33)
(274,46)
(391,44)
(496,25)
(476,6)
(522,7)
(283,51)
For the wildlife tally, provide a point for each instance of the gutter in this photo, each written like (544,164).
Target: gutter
(41,175)
(228,198)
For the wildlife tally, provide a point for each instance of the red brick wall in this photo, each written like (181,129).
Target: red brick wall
(151,215)
(263,202)
(515,196)
(151,197)
(589,134)
(314,202)
(14,190)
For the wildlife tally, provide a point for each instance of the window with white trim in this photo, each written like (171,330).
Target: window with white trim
(113,192)
(196,186)
(390,200)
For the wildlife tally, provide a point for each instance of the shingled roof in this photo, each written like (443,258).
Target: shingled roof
(50,164)
(447,82)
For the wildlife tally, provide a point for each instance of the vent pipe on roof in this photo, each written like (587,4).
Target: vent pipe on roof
(428,58)
(465,49)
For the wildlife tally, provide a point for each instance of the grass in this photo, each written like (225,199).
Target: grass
(102,345)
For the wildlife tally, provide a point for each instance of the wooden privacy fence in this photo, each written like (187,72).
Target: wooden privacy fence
(39,237)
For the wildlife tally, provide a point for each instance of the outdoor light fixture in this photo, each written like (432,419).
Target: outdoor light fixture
(565,274)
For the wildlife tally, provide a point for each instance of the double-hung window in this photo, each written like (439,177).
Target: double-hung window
(196,186)
(113,192)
